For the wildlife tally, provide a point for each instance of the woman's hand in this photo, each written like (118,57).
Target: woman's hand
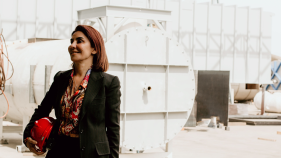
(30,143)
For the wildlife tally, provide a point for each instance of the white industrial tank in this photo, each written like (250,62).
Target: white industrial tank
(242,93)
(273,96)
(157,82)
(22,56)
(272,102)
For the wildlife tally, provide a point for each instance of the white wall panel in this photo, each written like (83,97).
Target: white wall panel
(214,25)
(208,33)
(96,3)
(200,42)
(254,41)
(173,5)
(186,27)
(27,19)
(240,46)
(121,2)
(228,38)
(63,11)
(9,13)
(266,45)
(45,18)
(221,41)
(140,3)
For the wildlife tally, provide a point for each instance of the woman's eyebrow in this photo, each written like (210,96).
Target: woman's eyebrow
(78,38)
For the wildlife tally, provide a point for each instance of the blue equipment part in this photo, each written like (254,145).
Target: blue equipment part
(275,69)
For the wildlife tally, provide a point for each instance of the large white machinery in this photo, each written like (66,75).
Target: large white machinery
(182,36)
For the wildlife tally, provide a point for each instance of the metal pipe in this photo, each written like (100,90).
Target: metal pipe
(262,100)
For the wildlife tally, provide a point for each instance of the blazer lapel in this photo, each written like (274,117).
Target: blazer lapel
(94,84)
(63,83)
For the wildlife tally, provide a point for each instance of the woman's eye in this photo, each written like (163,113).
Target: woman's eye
(79,41)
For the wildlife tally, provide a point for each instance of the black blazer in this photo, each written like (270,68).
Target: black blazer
(99,116)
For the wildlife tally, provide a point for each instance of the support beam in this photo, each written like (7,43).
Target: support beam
(179,22)
(21,148)
(48,69)
(260,46)
(263,100)
(55,21)
(109,27)
(101,26)
(18,20)
(169,146)
(73,20)
(2,140)
(124,95)
(31,92)
(25,121)
(166,115)
(36,21)
(194,35)
(221,38)
(120,24)
(158,25)
(248,47)
(86,22)
(208,38)
(234,45)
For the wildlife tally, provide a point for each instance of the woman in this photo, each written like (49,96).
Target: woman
(86,102)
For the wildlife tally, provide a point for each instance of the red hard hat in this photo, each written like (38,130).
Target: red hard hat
(41,131)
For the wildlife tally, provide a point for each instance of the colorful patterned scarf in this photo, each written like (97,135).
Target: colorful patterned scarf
(71,105)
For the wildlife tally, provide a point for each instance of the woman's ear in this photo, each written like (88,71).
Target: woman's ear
(94,51)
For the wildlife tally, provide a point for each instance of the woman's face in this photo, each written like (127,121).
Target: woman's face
(80,49)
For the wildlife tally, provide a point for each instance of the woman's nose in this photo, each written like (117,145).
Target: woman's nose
(73,45)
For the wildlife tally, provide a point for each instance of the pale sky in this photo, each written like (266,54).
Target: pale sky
(273,6)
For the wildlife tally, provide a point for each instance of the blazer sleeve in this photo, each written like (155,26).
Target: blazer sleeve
(113,102)
(44,108)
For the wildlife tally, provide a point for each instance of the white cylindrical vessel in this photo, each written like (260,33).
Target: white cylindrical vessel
(23,55)
(241,93)
(272,101)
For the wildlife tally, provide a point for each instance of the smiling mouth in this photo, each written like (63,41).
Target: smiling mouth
(74,52)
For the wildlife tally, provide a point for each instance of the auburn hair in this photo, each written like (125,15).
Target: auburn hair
(100,61)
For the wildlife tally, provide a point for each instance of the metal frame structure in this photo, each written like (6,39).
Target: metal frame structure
(110,11)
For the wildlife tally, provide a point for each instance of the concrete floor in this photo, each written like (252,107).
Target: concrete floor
(199,142)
